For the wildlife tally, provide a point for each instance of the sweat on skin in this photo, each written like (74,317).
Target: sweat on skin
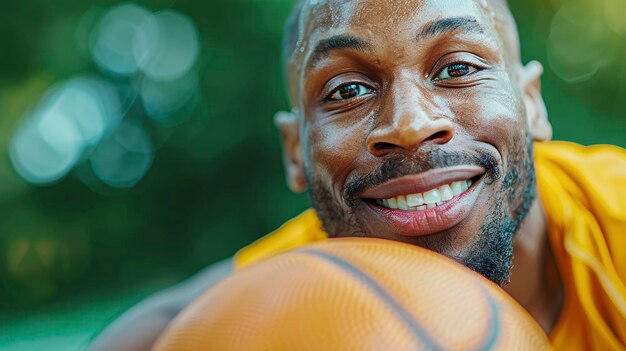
(399,98)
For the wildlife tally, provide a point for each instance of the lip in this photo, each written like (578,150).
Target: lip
(426,222)
(419,183)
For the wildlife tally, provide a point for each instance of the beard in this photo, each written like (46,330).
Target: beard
(491,252)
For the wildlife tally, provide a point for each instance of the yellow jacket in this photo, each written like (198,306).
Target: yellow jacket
(583,190)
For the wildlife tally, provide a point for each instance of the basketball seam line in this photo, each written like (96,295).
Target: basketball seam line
(495,322)
(411,324)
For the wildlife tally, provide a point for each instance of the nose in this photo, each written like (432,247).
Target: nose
(410,123)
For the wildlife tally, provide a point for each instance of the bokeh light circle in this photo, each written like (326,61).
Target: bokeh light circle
(71,117)
(82,119)
(161,100)
(92,103)
(124,158)
(112,39)
(44,150)
(577,45)
(166,46)
(615,10)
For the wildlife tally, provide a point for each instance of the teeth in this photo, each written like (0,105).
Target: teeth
(393,204)
(427,200)
(457,187)
(402,203)
(446,192)
(415,200)
(432,196)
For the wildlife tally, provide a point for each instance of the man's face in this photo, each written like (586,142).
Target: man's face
(413,126)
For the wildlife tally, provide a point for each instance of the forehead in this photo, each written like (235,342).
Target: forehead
(392,19)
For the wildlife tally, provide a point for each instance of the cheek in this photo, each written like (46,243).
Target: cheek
(336,149)
(494,115)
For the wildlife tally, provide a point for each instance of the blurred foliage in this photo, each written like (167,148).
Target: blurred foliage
(217,183)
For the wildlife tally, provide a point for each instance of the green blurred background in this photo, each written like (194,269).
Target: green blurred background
(181,167)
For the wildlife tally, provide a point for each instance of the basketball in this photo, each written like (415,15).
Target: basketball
(355,294)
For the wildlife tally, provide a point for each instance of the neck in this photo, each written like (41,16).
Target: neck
(535,281)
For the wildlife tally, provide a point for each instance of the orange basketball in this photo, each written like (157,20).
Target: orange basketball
(355,294)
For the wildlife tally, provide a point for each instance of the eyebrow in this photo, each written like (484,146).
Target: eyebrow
(338,42)
(448,25)
(348,42)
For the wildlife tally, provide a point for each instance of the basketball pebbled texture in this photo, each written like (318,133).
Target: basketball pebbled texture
(355,294)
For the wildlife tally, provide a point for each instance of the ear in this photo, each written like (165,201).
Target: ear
(289,126)
(536,112)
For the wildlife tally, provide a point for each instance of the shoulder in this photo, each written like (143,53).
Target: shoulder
(139,327)
(595,175)
(572,154)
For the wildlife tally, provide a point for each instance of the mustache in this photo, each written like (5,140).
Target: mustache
(399,166)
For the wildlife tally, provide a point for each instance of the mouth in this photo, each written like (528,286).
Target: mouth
(426,200)
(426,203)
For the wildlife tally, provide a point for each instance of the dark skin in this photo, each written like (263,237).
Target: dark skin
(410,87)
(412,98)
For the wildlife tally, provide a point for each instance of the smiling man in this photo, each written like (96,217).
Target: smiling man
(416,121)
(410,124)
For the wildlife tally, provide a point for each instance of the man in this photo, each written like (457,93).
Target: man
(416,121)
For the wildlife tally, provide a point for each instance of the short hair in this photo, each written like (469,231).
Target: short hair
(291,34)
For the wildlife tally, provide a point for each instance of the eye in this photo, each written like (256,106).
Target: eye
(350,91)
(456,70)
